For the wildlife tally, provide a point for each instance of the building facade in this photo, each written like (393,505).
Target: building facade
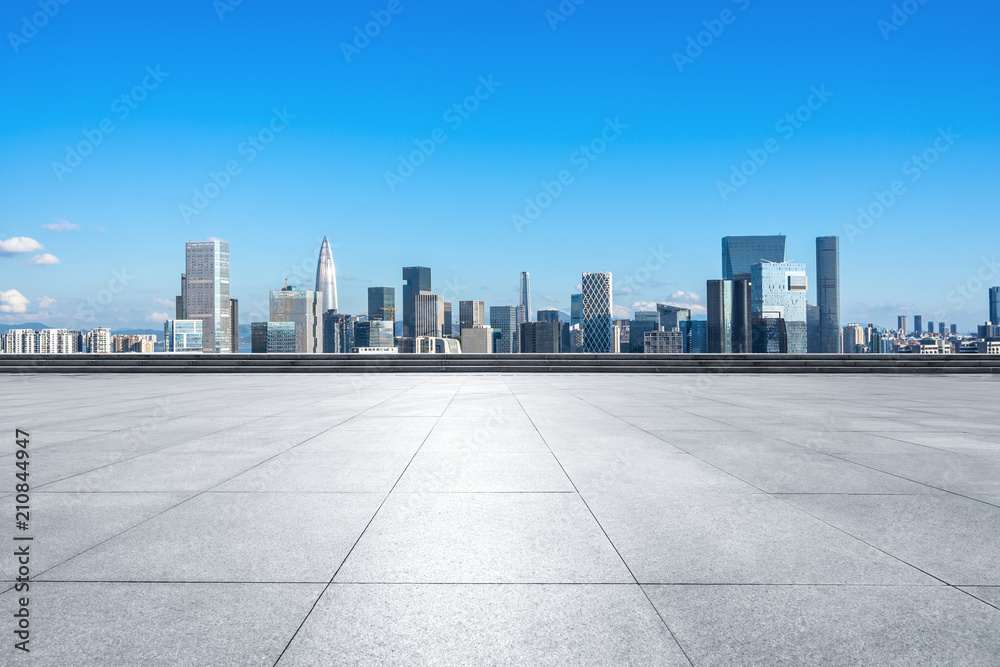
(780,291)
(576,309)
(428,315)
(663,342)
(338,332)
(739,253)
(598,331)
(417,280)
(382,303)
(471,314)
(719,302)
(525,301)
(828,293)
(206,293)
(477,339)
(304,308)
(373,333)
(538,337)
(133,343)
(272,337)
(183,336)
(503,319)
(995,306)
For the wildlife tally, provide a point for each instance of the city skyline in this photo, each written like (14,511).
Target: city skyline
(665,127)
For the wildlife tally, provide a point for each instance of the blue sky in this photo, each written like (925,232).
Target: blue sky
(336,124)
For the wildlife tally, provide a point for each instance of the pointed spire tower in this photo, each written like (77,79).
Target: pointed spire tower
(326,277)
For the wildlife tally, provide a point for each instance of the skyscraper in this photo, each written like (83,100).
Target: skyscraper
(548,315)
(539,337)
(418,281)
(828,293)
(576,309)
(670,317)
(381,303)
(901,323)
(303,307)
(598,332)
(504,320)
(182,336)
(234,324)
(741,318)
(446,329)
(995,306)
(180,308)
(326,278)
(719,333)
(338,332)
(779,291)
(272,337)
(471,314)
(525,296)
(739,253)
(941,330)
(918,324)
(428,319)
(207,293)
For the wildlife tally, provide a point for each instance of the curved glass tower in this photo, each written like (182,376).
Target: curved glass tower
(326,277)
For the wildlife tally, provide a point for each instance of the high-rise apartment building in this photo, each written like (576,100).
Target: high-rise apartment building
(133,343)
(918,324)
(382,303)
(995,306)
(663,342)
(471,314)
(828,293)
(182,336)
(780,291)
(739,253)
(854,338)
(272,337)
(598,331)
(428,315)
(326,278)
(901,323)
(99,341)
(525,301)
(206,298)
(418,281)
(941,328)
(304,308)
(540,337)
(504,320)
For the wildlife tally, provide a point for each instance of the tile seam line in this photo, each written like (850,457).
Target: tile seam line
(799,509)
(370,520)
(192,497)
(599,525)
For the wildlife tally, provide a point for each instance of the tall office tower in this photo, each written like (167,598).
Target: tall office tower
(941,326)
(372,333)
(918,324)
(525,297)
(637,332)
(522,315)
(338,332)
(181,301)
(272,337)
(207,293)
(418,281)
(234,324)
(930,327)
(504,319)
(326,278)
(576,309)
(477,339)
(954,328)
(471,314)
(828,293)
(779,291)
(739,253)
(697,339)
(304,308)
(741,317)
(621,334)
(382,303)
(812,326)
(719,298)
(428,317)
(854,338)
(671,317)
(616,338)
(540,337)
(901,323)
(770,335)
(182,336)
(995,306)
(548,315)
(446,329)
(598,332)
(575,338)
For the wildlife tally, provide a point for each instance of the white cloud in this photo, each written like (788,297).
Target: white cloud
(215,238)
(12,301)
(620,313)
(165,302)
(100,229)
(45,303)
(550,299)
(690,297)
(43,260)
(160,318)
(61,226)
(18,244)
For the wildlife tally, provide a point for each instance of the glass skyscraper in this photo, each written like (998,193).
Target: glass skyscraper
(471,314)
(995,306)
(598,332)
(828,293)
(182,336)
(719,328)
(525,296)
(272,337)
(418,281)
(576,309)
(739,253)
(326,278)
(303,307)
(381,303)
(206,297)
(503,319)
(779,291)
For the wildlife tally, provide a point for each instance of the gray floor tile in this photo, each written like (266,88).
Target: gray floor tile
(437,472)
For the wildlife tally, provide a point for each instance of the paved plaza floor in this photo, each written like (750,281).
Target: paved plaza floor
(408,519)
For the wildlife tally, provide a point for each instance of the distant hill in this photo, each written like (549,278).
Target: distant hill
(4,328)
(125,332)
